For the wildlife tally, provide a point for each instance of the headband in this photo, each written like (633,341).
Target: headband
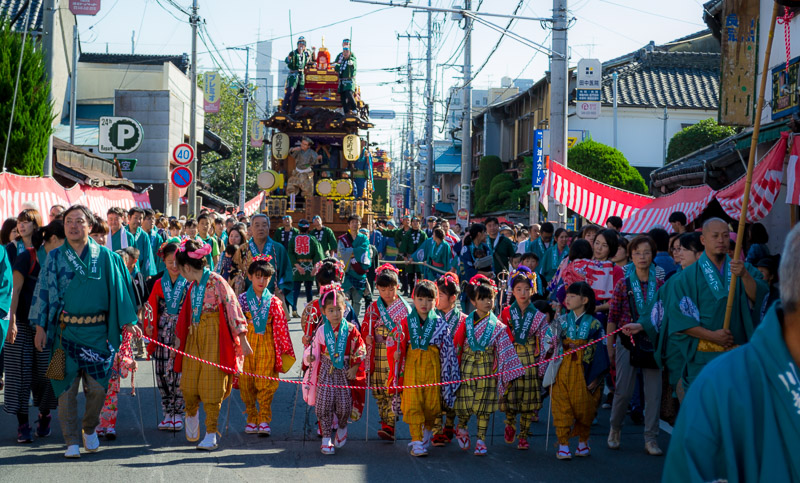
(449,277)
(525,272)
(479,279)
(338,268)
(263,258)
(387,266)
(334,288)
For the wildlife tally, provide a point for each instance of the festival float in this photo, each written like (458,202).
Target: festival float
(342,179)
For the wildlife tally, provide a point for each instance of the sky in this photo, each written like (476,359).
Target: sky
(601,29)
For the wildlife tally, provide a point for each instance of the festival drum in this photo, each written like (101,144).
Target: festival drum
(270,180)
(344,188)
(325,187)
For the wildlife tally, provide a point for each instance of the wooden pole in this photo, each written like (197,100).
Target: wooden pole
(750,164)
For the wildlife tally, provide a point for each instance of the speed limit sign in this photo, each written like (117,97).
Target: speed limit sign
(183,154)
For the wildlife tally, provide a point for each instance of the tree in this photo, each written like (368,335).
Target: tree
(223,176)
(33,115)
(490,166)
(696,136)
(605,164)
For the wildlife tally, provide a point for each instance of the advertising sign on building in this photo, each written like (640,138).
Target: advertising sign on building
(257,133)
(541,151)
(738,41)
(84,7)
(785,89)
(211,92)
(119,135)
(590,76)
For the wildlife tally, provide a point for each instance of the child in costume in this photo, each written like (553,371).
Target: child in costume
(335,356)
(160,316)
(326,272)
(449,308)
(577,380)
(268,335)
(212,327)
(484,348)
(427,356)
(525,326)
(383,322)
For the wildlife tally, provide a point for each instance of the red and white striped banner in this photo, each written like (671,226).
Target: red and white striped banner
(767,178)
(254,204)
(690,201)
(792,181)
(17,190)
(591,199)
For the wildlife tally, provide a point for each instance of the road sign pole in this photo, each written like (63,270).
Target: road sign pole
(192,193)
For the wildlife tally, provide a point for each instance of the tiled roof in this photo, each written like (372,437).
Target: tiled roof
(180,61)
(688,80)
(18,8)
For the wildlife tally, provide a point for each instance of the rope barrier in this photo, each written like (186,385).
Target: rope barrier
(379,388)
(408,262)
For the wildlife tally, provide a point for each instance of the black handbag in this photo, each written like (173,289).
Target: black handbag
(643,352)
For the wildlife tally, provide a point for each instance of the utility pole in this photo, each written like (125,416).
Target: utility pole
(192,192)
(413,194)
(559,86)
(48,32)
(429,121)
(245,132)
(466,121)
(73,93)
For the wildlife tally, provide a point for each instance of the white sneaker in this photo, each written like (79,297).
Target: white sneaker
(341,437)
(417,448)
(209,443)
(73,451)
(91,442)
(193,427)
(426,438)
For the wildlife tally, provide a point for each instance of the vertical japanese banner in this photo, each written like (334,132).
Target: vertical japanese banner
(257,132)
(739,57)
(211,93)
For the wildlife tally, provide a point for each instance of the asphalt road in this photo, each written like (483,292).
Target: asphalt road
(142,453)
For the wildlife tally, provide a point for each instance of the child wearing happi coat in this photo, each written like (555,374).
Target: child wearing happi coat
(268,334)
(334,358)
(577,386)
(213,328)
(525,326)
(484,349)
(449,308)
(383,322)
(427,356)
(160,316)
(326,272)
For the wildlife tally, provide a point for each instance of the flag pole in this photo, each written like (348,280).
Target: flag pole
(750,164)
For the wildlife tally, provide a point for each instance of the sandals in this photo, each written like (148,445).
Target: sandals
(417,448)
(341,437)
(386,432)
(462,435)
(327,447)
(523,443)
(510,434)
(583,450)
(480,448)
(251,428)
(440,440)
(564,454)
(450,432)
(264,429)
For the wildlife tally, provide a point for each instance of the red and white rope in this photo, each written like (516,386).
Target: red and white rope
(378,388)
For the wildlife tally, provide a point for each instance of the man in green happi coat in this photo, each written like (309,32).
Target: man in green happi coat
(741,419)
(85,330)
(296,61)
(700,297)
(324,235)
(142,242)
(118,236)
(345,66)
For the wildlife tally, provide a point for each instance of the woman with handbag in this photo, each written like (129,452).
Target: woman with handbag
(632,302)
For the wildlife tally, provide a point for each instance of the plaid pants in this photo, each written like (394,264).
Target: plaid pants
(168,381)
(574,407)
(479,397)
(380,375)
(201,382)
(332,401)
(524,396)
(261,362)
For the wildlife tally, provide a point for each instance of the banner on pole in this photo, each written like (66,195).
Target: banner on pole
(211,92)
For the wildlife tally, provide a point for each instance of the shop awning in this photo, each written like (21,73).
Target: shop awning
(591,199)
(445,208)
(691,201)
